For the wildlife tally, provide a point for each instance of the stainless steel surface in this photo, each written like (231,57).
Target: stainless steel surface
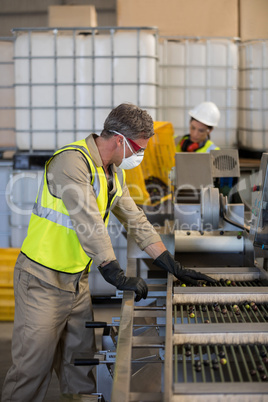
(122,371)
(186,164)
(138,396)
(188,217)
(168,374)
(214,242)
(140,339)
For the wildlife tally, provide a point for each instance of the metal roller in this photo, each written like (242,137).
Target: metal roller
(216,334)
(223,295)
(195,242)
(216,392)
(210,206)
(237,274)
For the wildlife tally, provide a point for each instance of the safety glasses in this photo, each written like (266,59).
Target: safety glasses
(135,148)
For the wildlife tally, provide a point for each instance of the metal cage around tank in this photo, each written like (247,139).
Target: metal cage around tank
(197,69)
(68,79)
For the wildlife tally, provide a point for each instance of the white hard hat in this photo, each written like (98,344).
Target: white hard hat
(207,113)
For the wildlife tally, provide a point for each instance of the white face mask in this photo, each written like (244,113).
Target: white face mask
(132,161)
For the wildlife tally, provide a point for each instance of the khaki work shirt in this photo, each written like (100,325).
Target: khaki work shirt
(69,179)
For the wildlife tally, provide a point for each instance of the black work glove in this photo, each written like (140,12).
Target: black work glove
(166,261)
(113,274)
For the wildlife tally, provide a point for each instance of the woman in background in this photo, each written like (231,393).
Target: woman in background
(204,118)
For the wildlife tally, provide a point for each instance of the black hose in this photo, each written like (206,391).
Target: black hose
(224,217)
(234,223)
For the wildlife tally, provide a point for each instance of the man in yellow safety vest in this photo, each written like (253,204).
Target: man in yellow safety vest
(82,183)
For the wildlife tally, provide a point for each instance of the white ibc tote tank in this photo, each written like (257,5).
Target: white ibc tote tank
(5,232)
(7,131)
(66,84)
(193,70)
(7,98)
(253,95)
(21,190)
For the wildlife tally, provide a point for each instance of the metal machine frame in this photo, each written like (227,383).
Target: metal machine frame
(242,335)
(200,343)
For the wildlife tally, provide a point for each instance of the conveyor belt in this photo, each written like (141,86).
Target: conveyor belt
(219,364)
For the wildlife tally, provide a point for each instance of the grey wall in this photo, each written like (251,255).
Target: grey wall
(34,13)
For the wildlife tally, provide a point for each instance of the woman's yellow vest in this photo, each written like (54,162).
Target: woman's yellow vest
(208,146)
(51,239)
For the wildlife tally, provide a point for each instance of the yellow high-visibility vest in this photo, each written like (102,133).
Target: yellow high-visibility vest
(208,146)
(51,240)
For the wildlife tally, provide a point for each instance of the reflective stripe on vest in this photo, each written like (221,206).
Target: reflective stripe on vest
(51,214)
(209,146)
(52,240)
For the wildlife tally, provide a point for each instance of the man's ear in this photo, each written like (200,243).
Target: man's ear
(119,140)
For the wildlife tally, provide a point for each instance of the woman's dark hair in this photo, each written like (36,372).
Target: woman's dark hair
(192,119)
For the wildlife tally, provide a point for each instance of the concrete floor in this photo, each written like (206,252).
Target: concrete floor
(102,312)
